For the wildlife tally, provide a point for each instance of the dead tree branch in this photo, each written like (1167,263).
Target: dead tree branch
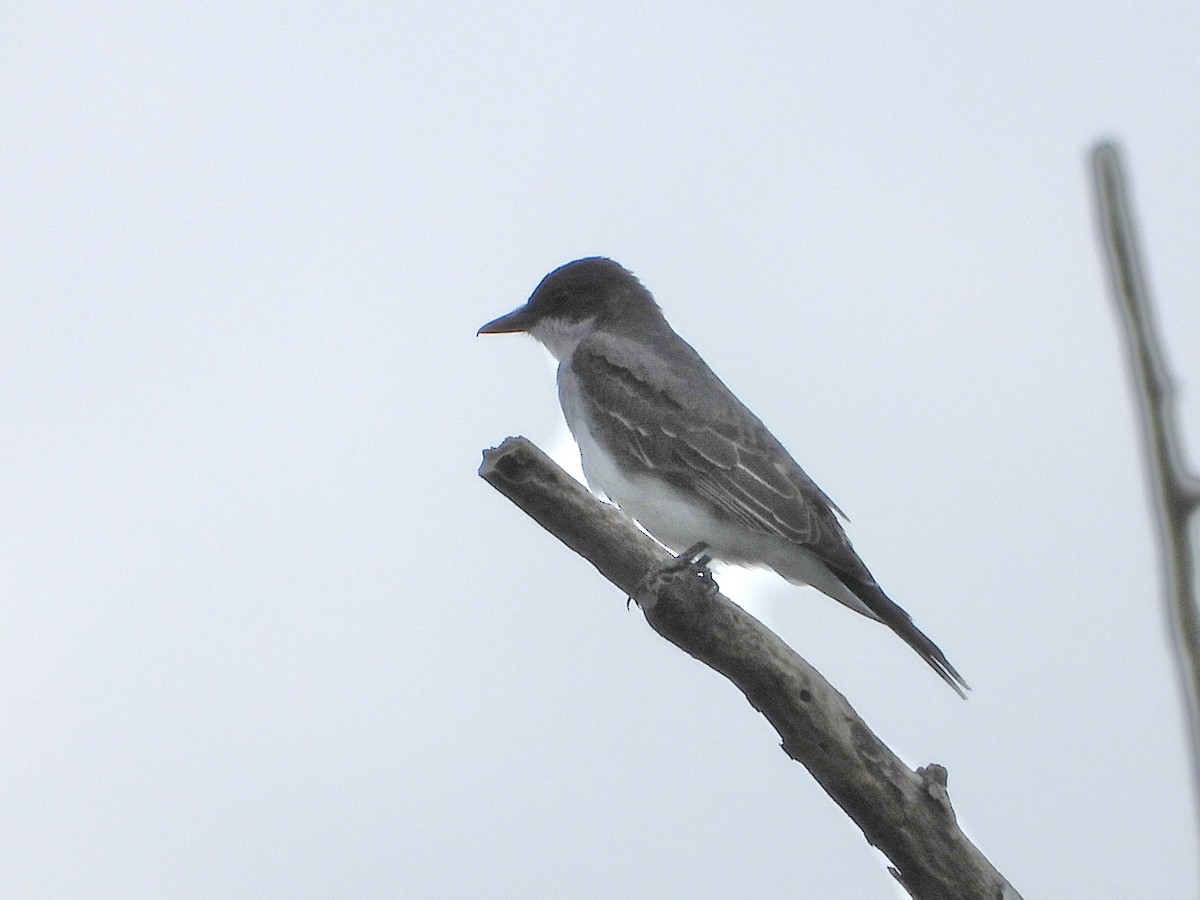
(1175,490)
(906,814)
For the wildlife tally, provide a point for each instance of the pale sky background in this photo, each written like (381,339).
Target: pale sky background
(266,634)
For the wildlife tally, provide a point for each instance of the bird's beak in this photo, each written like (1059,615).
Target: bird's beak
(517,320)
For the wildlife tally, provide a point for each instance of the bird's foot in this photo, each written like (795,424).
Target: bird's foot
(692,560)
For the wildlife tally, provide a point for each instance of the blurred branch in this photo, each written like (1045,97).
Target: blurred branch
(1176,491)
(906,814)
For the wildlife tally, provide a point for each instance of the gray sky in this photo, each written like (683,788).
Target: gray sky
(266,634)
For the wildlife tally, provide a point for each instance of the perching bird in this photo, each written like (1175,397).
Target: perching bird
(662,437)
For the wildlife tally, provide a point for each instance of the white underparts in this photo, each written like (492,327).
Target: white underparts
(678,521)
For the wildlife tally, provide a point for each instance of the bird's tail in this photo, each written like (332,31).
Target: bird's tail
(895,618)
(852,585)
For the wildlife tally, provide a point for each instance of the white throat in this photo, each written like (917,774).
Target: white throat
(561,337)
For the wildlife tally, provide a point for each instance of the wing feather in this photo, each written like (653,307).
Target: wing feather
(675,420)
(696,435)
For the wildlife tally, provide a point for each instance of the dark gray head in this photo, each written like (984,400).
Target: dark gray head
(575,298)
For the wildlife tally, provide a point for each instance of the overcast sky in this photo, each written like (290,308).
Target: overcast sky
(265,633)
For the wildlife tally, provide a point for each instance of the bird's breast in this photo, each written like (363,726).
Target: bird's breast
(673,518)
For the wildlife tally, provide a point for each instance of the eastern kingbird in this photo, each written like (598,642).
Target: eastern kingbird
(662,437)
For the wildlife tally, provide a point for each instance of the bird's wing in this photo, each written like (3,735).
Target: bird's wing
(674,419)
(668,415)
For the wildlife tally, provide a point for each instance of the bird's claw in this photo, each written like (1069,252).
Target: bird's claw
(693,559)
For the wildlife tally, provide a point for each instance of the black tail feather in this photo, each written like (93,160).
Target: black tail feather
(888,612)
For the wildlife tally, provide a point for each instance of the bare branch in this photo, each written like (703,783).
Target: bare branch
(1175,490)
(906,814)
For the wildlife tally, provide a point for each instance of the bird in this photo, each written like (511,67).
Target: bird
(662,437)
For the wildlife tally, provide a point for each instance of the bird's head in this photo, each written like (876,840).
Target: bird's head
(575,299)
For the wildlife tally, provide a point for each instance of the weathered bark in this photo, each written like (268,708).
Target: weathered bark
(1175,490)
(906,814)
